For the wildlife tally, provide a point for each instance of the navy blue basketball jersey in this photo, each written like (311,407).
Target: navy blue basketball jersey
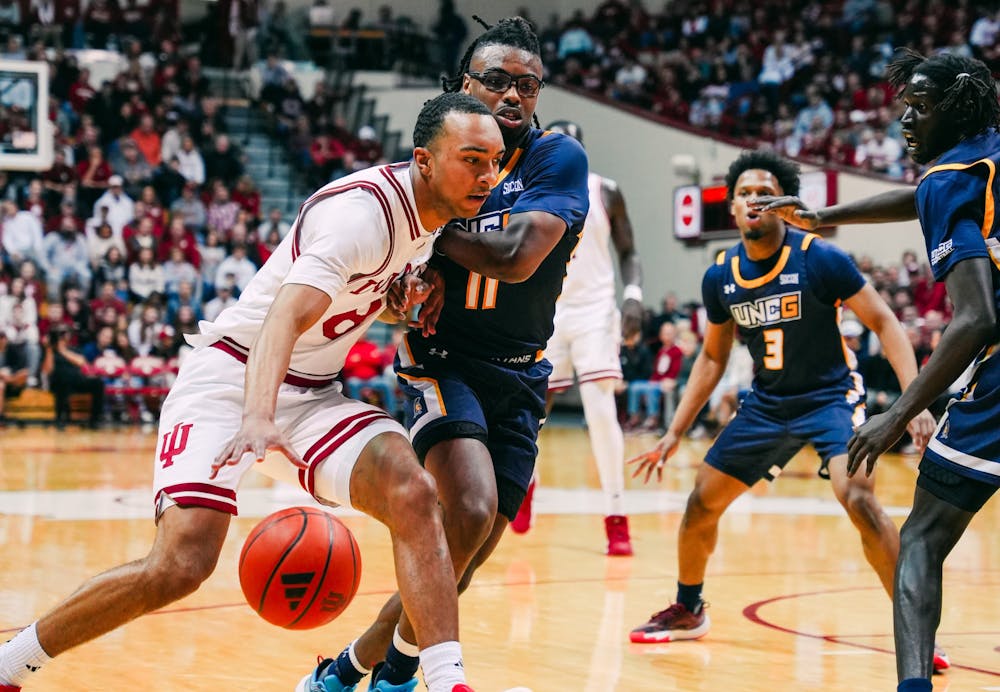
(956,204)
(956,201)
(487,318)
(786,308)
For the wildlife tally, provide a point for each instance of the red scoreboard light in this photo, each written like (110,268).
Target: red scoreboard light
(701,213)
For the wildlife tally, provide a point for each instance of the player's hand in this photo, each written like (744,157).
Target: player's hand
(921,429)
(433,302)
(257,437)
(405,293)
(631,317)
(871,441)
(791,209)
(656,458)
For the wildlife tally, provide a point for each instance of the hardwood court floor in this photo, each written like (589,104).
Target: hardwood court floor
(794,605)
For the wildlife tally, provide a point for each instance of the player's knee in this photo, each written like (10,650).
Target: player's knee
(699,509)
(469,522)
(172,577)
(862,507)
(411,495)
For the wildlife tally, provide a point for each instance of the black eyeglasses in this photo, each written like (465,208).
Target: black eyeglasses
(499,81)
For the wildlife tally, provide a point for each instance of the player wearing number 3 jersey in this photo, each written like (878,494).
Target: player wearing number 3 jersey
(781,289)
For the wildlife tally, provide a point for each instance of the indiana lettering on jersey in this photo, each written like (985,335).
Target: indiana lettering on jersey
(784,307)
(372,286)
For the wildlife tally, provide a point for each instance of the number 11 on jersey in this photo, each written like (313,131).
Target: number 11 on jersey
(489,292)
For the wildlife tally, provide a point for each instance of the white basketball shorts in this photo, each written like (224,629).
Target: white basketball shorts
(585,341)
(204,410)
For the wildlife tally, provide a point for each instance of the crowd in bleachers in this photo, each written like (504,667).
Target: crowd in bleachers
(804,76)
(146,222)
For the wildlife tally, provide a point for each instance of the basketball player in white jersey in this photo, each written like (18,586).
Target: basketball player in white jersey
(587,337)
(261,378)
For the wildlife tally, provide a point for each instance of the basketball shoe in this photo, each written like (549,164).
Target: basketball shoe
(676,622)
(322,679)
(619,541)
(383,686)
(522,522)
(11,688)
(941,661)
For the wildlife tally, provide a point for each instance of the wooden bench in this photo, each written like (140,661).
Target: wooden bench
(39,406)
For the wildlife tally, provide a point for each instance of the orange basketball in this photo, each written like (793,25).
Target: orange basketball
(300,568)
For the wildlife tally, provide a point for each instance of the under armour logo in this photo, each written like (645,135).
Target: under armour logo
(174,442)
(459,664)
(33,669)
(729,288)
(434,351)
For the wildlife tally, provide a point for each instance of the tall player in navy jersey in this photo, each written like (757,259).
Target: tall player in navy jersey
(474,376)
(950,121)
(781,289)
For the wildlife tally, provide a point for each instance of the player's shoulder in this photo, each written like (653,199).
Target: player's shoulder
(549,143)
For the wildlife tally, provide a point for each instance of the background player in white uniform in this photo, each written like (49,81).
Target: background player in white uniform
(292,328)
(587,339)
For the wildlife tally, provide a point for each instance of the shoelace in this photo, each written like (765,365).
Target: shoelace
(675,609)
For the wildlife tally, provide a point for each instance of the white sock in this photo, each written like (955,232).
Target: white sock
(21,656)
(606,440)
(442,665)
(402,646)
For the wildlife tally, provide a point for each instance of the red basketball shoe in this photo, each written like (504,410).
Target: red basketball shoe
(941,660)
(9,688)
(462,688)
(619,541)
(522,522)
(676,622)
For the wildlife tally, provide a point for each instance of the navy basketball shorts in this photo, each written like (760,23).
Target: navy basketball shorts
(767,431)
(451,396)
(965,444)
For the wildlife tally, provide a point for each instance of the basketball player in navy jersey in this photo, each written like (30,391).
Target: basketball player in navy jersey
(474,376)
(586,341)
(951,123)
(781,288)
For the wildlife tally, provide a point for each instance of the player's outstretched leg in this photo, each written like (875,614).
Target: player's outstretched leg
(184,554)
(927,536)
(713,492)
(462,531)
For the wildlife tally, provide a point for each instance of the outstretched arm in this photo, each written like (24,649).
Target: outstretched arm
(894,205)
(708,369)
(296,308)
(973,326)
(628,258)
(512,255)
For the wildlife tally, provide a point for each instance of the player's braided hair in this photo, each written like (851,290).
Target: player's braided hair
(968,88)
(515,32)
(786,172)
(432,115)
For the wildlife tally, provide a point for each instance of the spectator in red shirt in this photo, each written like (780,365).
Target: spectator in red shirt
(662,384)
(247,196)
(362,373)
(80,92)
(147,139)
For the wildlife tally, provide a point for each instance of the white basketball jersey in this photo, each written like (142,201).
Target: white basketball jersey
(351,239)
(590,277)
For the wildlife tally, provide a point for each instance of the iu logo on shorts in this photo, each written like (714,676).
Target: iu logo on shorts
(174,442)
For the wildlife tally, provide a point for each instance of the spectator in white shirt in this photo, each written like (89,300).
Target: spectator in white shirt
(222,300)
(879,153)
(236,270)
(145,276)
(192,166)
(65,258)
(22,234)
(121,208)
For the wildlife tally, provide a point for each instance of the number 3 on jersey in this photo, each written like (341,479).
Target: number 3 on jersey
(477,286)
(774,349)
